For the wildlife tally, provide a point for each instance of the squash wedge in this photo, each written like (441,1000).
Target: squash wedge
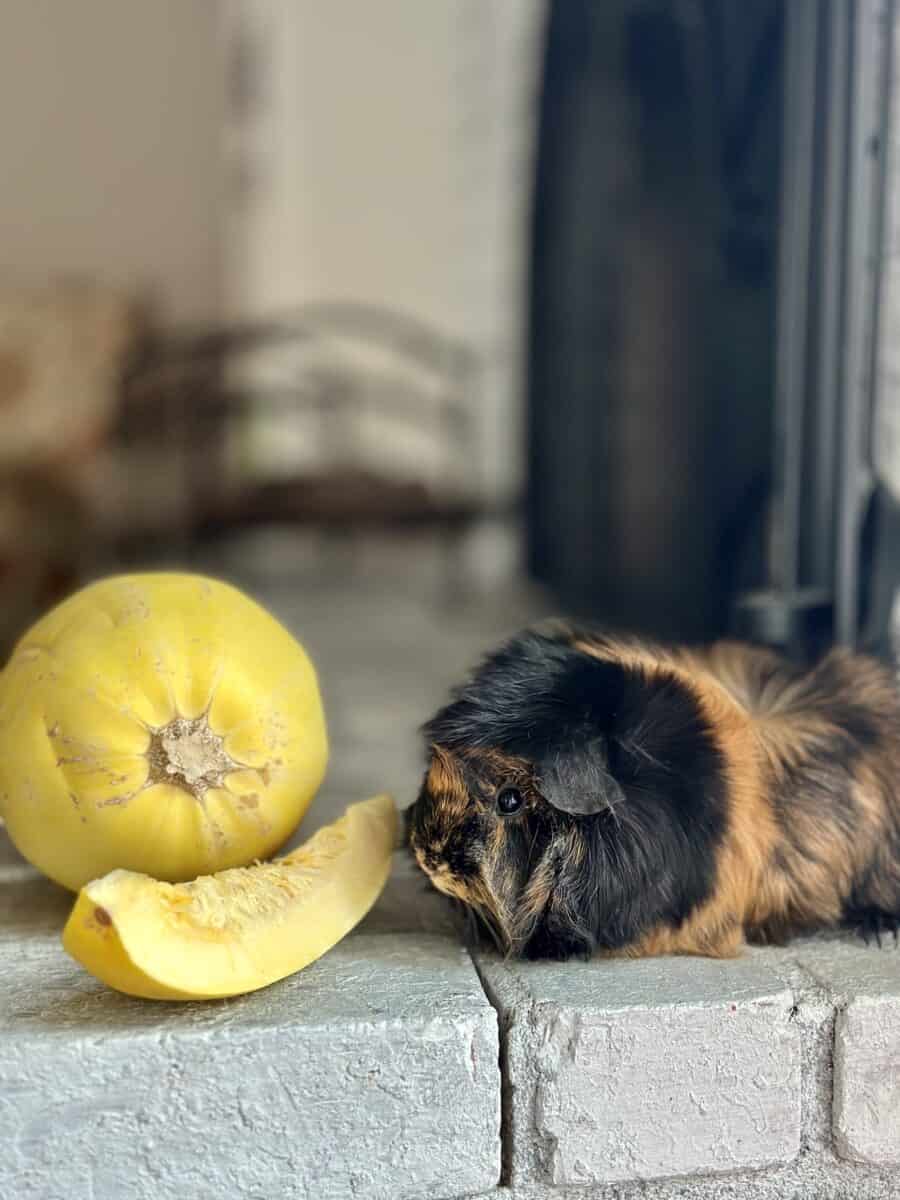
(241,929)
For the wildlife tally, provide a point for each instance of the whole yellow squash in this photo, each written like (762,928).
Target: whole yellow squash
(162,723)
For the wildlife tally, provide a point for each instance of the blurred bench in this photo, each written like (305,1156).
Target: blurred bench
(343,418)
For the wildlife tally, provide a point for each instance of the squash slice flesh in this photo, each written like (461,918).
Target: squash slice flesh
(241,929)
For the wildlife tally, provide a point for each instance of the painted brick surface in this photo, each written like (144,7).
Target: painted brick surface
(865,984)
(867,1081)
(357,1077)
(637,1070)
(372,1073)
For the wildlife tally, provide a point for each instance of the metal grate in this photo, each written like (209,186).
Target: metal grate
(835,105)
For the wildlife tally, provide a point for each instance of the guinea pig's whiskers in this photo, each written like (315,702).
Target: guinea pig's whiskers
(488,921)
(534,838)
(635,747)
(612,807)
(468,922)
(471,926)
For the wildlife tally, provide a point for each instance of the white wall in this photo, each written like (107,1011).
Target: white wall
(354,192)
(110,115)
(886,442)
(388,160)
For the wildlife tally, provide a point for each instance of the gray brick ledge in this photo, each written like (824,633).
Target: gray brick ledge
(806,1179)
(864,983)
(374,1072)
(827,977)
(604,1087)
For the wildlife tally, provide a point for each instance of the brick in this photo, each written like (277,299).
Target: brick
(373,1072)
(865,983)
(867,1081)
(640,1070)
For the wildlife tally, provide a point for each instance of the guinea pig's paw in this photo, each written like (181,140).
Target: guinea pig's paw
(873,922)
(549,944)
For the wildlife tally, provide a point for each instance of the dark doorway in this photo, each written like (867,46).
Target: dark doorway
(702,305)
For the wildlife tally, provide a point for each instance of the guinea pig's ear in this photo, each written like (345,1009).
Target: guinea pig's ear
(574,779)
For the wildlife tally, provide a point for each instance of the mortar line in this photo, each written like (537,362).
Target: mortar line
(503,1026)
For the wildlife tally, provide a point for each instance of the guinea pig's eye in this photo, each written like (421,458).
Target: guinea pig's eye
(509,800)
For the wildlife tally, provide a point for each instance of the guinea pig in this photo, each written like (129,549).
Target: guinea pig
(589,793)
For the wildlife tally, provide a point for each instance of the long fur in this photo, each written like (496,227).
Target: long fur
(676,801)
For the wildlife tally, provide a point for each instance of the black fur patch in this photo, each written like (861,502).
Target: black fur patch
(514,699)
(672,774)
(871,923)
(638,754)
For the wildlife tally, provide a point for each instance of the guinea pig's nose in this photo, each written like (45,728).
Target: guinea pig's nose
(431,860)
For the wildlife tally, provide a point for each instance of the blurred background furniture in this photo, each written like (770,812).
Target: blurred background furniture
(684,361)
(343,419)
(123,445)
(62,346)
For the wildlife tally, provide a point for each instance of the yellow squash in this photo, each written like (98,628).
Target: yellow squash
(162,723)
(242,929)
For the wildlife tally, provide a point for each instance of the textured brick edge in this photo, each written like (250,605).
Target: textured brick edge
(830,984)
(821,999)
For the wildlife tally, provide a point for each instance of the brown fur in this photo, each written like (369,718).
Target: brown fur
(812,829)
(764,726)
